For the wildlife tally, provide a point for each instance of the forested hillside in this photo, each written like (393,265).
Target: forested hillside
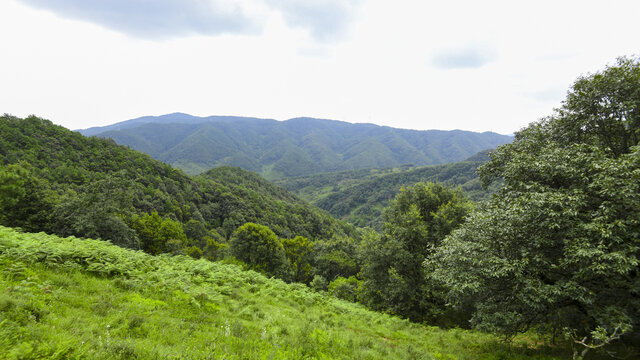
(360,196)
(295,147)
(61,182)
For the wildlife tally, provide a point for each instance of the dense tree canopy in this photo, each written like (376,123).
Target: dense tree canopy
(299,252)
(360,196)
(58,181)
(415,223)
(261,249)
(558,247)
(25,200)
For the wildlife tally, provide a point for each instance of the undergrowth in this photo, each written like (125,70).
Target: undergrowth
(70,298)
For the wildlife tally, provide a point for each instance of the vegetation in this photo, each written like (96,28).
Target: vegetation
(246,197)
(394,279)
(553,257)
(557,249)
(360,196)
(58,181)
(261,249)
(67,298)
(296,147)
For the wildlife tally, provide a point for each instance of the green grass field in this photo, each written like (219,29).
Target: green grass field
(69,298)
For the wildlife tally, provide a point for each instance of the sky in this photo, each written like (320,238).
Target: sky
(414,64)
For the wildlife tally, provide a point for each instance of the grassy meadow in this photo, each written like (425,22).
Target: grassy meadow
(70,298)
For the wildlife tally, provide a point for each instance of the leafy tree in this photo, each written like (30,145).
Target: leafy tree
(193,251)
(344,288)
(25,200)
(335,257)
(558,247)
(196,233)
(261,249)
(394,279)
(12,189)
(216,247)
(97,210)
(158,235)
(299,252)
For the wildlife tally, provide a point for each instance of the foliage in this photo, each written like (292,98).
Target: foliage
(299,253)
(68,298)
(158,235)
(61,182)
(261,249)
(558,247)
(336,257)
(239,196)
(393,277)
(360,196)
(215,248)
(25,200)
(319,283)
(344,288)
(97,213)
(296,147)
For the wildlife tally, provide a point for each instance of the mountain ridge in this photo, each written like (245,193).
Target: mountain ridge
(295,147)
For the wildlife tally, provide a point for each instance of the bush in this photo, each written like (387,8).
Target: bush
(345,288)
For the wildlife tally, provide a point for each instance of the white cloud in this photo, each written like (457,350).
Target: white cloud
(326,20)
(465,58)
(157,18)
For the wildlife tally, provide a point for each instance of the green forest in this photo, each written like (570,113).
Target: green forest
(530,252)
(360,196)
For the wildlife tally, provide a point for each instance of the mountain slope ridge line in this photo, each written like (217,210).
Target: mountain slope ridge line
(295,147)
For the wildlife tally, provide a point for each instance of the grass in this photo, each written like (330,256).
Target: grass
(68,298)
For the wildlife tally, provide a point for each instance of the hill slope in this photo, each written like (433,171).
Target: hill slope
(360,196)
(92,187)
(295,147)
(64,298)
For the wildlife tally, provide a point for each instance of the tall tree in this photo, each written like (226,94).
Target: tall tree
(299,251)
(394,279)
(558,247)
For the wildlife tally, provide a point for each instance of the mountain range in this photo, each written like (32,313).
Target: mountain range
(295,147)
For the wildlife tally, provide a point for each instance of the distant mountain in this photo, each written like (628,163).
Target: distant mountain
(296,147)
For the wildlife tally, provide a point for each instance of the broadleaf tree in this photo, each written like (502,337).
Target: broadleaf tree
(557,248)
(260,248)
(394,279)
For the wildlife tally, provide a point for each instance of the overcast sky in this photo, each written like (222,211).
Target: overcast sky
(417,64)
